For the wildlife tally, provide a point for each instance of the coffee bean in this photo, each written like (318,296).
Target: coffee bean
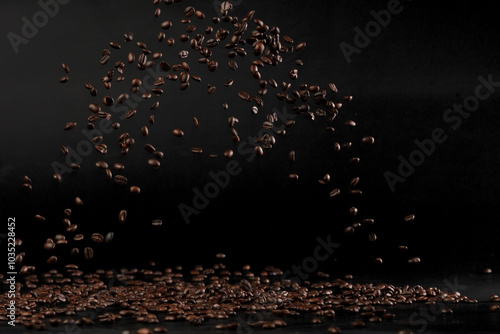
(101,164)
(78,201)
(150,148)
(378,261)
(233,65)
(121,180)
(118,166)
(414,260)
(211,89)
(291,156)
(259,151)
(78,237)
(130,113)
(293,177)
(57,177)
(88,253)
(244,95)
(197,150)
(409,218)
(64,79)
(229,154)
(156,222)
(372,237)
(64,150)
(122,216)
(108,101)
(154,163)
(101,148)
(335,192)
(229,83)
(97,238)
(334,330)
(144,131)
(135,190)
(115,45)
(70,126)
(178,133)
(52,260)
(166,24)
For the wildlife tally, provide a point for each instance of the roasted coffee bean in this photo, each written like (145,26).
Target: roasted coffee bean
(118,166)
(70,126)
(150,148)
(115,45)
(154,163)
(52,260)
(64,79)
(157,222)
(334,330)
(109,237)
(101,164)
(65,67)
(372,237)
(144,131)
(291,156)
(197,150)
(211,89)
(414,260)
(409,218)
(130,113)
(78,201)
(178,133)
(335,192)
(135,190)
(101,148)
(121,180)
(166,24)
(97,238)
(88,253)
(122,216)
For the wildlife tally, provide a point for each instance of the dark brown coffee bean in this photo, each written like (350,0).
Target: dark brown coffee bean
(74,166)
(414,260)
(178,133)
(64,79)
(291,156)
(166,24)
(130,113)
(228,154)
(65,67)
(122,216)
(109,174)
(244,96)
(115,45)
(97,238)
(229,83)
(78,237)
(70,126)
(121,180)
(150,148)
(118,166)
(101,164)
(372,237)
(144,131)
(409,218)
(300,46)
(293,177)
(88,253)
(64,150)
(335,192)
(57,177)
(183,54)
(101,148)
(135,190)
(197,150)
(78,201)
(154,163)
(52,260)
(211,89)
(333,88)
(259,151)
(233,65)
(225,7)
(334,330)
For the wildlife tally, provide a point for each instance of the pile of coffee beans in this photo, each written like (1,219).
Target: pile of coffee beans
(211,296)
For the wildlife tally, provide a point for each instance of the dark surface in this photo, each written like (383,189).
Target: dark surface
(427,59)
(466,318)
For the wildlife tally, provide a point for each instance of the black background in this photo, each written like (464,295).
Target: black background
(427,59)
